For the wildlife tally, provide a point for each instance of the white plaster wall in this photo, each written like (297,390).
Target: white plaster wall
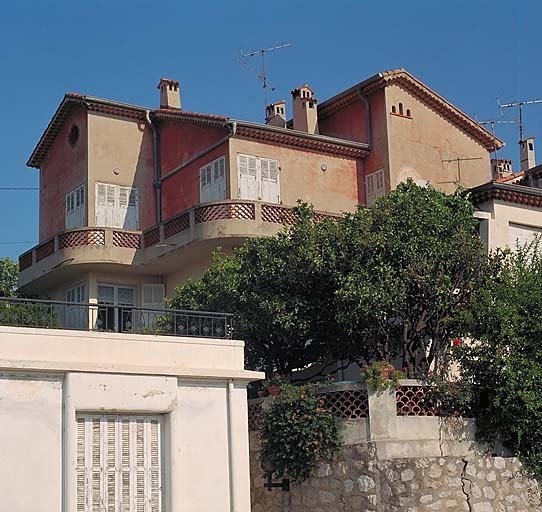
(199,389)
(30,443)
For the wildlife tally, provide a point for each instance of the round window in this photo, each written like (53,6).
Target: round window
(74,135)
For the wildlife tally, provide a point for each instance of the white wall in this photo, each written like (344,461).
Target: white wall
(199,386)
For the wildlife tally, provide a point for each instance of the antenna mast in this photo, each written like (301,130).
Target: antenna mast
(519,105)
(492,123)
(261,74)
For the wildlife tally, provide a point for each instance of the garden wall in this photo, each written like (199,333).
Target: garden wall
(399,455)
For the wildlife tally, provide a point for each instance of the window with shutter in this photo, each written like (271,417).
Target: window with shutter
(258,178)
(520,235)
(374,186)
(75,208)
(119,463)
(117,206)
(213,181)
(152,297)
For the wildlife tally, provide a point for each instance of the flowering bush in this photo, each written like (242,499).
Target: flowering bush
(298,431)
(381,376)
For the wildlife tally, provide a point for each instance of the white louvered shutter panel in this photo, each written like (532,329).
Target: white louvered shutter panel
(119,463)
(248,177)
(374,186)
(221,189)
(270,181)
(101,204)
(205,185)
(111,202)
(152,297)
(122,208)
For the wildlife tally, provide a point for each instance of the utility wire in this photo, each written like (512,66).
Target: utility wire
(27,242)
(19,188)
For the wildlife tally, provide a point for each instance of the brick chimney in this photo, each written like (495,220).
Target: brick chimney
(304,105)
(170,93)
(275,114)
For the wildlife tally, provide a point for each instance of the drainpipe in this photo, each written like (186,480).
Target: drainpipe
(157,183)
(367,117)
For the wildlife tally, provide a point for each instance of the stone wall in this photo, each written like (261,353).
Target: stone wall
(399,455)
(357,481)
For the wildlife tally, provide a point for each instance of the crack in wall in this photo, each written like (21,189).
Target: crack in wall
(466,484)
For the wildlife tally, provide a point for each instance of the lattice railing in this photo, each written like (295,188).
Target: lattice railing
(45,249)
(278,214)
(81,237)
(177,225)
(255,414)
(415,401)
(126,239)
(212,212)
(350,403)
(25,261)
(151,237)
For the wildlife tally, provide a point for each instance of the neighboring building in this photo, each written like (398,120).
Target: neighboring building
(101,421)
(510,209)
(133,200)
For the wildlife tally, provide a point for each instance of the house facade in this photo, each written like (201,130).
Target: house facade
(134,200)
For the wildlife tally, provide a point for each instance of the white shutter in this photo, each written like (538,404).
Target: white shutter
(270,191)
(374,186)
(205,185)
(248,177)
(152,297)
(119,463)
(101,204)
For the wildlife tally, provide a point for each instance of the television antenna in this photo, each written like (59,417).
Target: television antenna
(458,160)
(519,105)
(491,123)
(261,73)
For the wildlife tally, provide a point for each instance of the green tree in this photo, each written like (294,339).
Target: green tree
(409,267)
(393,281)
(503,368)
(280,291)
(9,275)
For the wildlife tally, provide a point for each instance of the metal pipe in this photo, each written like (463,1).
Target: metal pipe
(157,183)
(367,117)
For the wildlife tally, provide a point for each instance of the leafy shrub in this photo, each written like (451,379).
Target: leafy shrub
(381,376)
(298,431)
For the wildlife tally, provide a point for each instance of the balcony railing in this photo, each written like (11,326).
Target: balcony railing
(113,318)
(257,211)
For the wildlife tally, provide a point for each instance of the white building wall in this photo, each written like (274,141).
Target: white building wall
(201,394)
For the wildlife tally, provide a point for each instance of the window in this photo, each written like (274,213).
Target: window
(117,206)
(115,308)
(213,181)
(119,463)
(520,235)
(76,316)
(75,208)
(258,178)
(374,186)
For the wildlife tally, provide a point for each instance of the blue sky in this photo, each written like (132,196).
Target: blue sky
(471,52)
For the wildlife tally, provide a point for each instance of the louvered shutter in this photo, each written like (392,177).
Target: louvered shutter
(101,189)
(520,235)
(269,181)
(374,186)
(152,297)
(248,177)
(119,463)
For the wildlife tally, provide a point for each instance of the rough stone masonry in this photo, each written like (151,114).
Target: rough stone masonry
(357,481)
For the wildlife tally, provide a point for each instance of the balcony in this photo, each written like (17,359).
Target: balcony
(104,317)
(78,247)
(193,232)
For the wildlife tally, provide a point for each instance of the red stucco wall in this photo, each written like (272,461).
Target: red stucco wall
(180,141)
(63,169)
(348,123)
(181,190)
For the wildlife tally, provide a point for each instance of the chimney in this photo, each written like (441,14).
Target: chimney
(275,114)
(170,93)
(526,154)
(500,168)
(305,114)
